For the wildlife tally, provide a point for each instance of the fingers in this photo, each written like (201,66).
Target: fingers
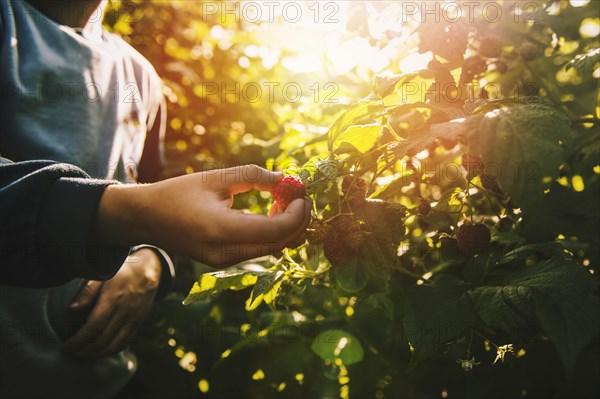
(251,228)
(111,337)
(87,295)
(305,221)
(241,179)
(276,209)
(222,254)
(91,332)
(121,305)
(121,339)
(105,332)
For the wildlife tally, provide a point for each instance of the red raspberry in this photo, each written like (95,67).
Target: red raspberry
(287,190)
(490,46)
(472,238)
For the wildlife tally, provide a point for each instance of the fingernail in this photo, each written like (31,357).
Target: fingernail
(74,305)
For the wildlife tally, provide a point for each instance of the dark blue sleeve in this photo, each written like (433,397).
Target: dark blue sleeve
(151,168)
(48,213)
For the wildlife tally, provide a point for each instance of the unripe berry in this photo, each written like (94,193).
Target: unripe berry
(318,232)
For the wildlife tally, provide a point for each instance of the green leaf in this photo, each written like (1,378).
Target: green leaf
(505,308)
(213,283)
(519,255)
(265,289)
(451,200)
(338,344)
(385,85)
(560,294)
(311,165)
(446,39)
(350,278)
(519,143)
(437,312)
(584,63)
(447,130)
(382,301)
(477,268)
(564,211)
(330,168)
(359,112)
(394,187)
(362,138)
(369,270)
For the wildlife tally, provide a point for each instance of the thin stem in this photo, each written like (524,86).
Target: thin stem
(503,197)
(586,120)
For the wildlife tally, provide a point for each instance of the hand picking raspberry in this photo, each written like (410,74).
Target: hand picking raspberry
(287,190)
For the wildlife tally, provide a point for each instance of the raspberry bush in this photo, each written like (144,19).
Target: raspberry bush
(454,240)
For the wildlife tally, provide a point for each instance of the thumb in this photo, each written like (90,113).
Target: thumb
(87,295)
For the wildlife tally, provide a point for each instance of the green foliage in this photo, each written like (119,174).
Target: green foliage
(510,142)
(213,283)
(584,63)
(554,293)
(439,312)
(338,344)
(348,120)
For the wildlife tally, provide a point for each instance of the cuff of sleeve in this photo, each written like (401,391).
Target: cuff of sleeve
(66,231)
(167,270)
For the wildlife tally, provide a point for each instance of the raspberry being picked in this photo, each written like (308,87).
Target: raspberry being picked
(287,190)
